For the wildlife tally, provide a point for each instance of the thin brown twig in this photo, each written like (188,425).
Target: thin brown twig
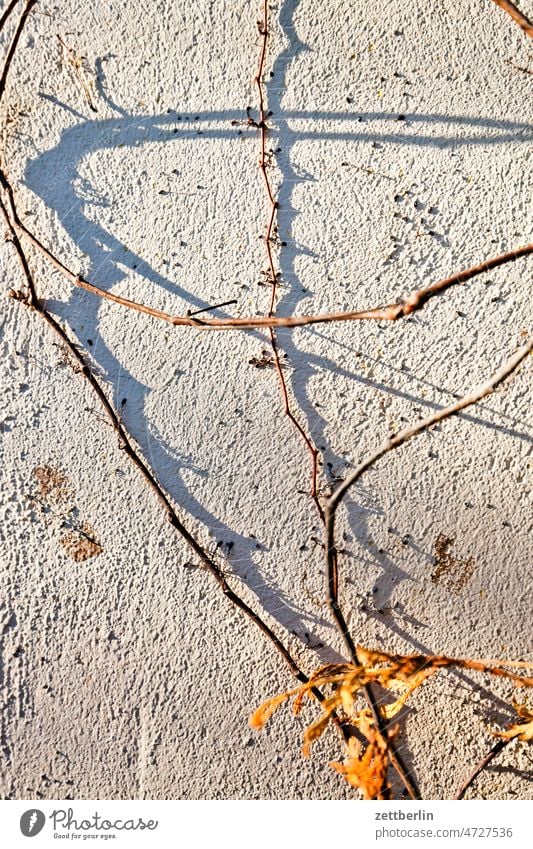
(274,278)
(275,274)
(395,442)
(392,312)
(517,16)
(7,13)
(476,395)
(77,63)
(484,762)
(14,42)
(519,67)
(263,27)
(33,302)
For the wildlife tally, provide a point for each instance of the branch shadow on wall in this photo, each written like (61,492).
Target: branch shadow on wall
(55,178)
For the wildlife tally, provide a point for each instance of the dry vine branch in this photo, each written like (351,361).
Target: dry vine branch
(77,64)
(395,442)
(13,46)
(32,301)
(521,731)
(336,499)
(498,747)
(392,312)
(275,274)
(380,723)
(7,12)
(388,313)
(516,15)
(125,444)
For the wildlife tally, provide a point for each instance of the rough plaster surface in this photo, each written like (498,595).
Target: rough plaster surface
(127,674)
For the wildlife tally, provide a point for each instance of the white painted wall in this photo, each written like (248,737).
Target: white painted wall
(126,674)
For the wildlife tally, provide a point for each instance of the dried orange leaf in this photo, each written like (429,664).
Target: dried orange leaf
(403,667)
(522,731)
(523,711)
(362,719)
(346,695)
(313,732)
(366,770)
(388,711)
(354,751)
(332,673)
(368,657)
(263,713)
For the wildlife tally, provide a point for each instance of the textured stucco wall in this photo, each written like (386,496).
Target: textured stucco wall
(126,674)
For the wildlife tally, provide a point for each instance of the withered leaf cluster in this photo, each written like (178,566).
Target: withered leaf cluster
(367,751)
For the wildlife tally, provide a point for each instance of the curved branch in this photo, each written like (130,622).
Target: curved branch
(392,312)
(7,13)
(13,46)
(335,500)
(394,757)
(517,16)
(404,436)
(148,475)
(484,762)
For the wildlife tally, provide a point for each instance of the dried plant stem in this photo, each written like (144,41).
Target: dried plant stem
(484,762)
(32,301)
(273,271)
(274,277)
(336,499)
(7,13)
(76,63)
(395,442)
(476,395)
(392,312)
(125,444)
(516,15)
(19,233)
(15,40)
